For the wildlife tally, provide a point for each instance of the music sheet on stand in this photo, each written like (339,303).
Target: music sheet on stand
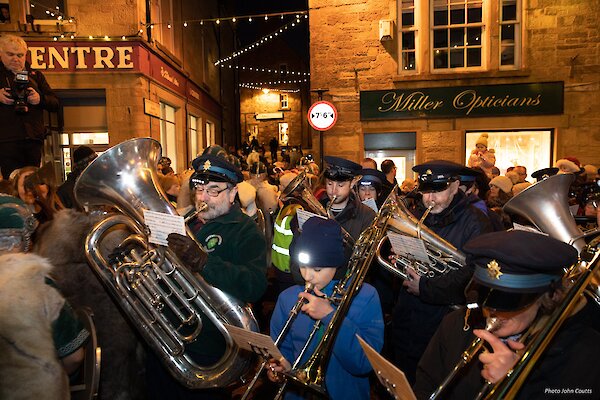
(255,342)
(408,246)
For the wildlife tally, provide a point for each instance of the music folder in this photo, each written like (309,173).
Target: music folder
(390,377)
(255,342)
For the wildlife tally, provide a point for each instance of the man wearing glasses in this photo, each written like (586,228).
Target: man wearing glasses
(232,258)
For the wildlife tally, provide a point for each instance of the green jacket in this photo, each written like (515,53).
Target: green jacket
(236,264)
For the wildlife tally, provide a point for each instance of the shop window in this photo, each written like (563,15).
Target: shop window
(210,133)
(456,35)
(532,149)
(47,9)
(194,135)
(284,102)
(284,130)
(168,139)
(4,12)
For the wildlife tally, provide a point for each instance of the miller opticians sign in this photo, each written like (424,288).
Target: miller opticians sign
(463,101)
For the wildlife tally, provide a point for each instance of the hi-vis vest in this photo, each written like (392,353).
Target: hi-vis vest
(282,237)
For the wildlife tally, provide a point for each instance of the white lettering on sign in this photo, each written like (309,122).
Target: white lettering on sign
(104,57)
(165,74)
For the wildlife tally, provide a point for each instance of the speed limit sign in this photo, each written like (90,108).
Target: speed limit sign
(322,115)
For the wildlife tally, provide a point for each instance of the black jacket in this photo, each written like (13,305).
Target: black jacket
(569,363)
(30,125)
(355,217)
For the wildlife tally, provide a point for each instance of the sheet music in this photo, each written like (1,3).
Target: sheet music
(519,227)
(390,377)
(161,224)
(304,215)
(255,342)
(408,246)
(371,204)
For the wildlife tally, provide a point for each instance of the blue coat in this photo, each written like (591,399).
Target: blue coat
(347,373)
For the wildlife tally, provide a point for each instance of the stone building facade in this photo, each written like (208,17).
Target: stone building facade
(362,50)
(125,70)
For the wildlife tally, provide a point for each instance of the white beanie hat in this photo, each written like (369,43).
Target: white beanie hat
(566,167)
(483,139)
(247,195)
(513,176)
(502,182)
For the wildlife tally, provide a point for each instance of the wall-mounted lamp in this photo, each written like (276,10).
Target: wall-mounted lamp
(386,30)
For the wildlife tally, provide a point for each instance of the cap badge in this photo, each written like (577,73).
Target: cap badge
(206,165)
(428,172)
(493,270)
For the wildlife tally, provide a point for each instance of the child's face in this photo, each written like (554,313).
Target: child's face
(320,277)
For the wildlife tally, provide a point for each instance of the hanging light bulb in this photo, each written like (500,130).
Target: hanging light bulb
(185,24)
(266,17)
(233,19)
(169,26)
(250,19)
(218,21)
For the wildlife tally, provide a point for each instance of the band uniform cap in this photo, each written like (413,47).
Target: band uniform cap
(504,183)
(436,176)
(213,168)
(371,177)
(544,173)
(512,268)
(340,169)
(319,244)
(468,174)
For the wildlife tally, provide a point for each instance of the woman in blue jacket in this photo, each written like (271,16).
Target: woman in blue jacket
(320,255)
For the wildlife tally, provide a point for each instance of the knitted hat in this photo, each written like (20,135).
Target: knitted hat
(503,183)
(17,224)
(83,154)
(319,244)
(519,187)
(566,166)
(590,170)
(483,139)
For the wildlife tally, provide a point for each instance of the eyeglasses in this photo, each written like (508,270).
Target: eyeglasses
(212,192)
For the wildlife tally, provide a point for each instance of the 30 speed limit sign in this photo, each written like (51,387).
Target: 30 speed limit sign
(322,115)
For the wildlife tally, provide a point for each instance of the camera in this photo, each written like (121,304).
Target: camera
(19,91)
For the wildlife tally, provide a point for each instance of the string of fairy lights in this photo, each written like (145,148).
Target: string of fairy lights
(226,62)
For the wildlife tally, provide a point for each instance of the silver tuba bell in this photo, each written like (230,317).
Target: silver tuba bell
(443,256)
(161,297)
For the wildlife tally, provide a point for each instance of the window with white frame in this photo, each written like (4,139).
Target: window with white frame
(510,33)
(168,139)
(194,135)
(210,133)
(437,36)
(457,27)
(408,32)
(284,101)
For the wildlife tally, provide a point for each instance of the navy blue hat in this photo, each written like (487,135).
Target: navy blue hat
(340,169)
(513,268)
(544,173)
(319,244)
(437,175)
(371,177)
(213,168)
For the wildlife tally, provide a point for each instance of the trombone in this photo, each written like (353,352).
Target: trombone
(288,323)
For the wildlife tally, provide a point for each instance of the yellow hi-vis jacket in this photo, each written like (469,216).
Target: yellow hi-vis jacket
(282,237)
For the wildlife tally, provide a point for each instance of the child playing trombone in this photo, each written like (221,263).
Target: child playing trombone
(318,251)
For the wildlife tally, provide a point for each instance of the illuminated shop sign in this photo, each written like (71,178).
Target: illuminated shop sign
(463,101)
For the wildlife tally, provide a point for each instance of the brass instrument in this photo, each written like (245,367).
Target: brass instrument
(162,298)
(286,327)
(312,373)
(296,191)
(443,256)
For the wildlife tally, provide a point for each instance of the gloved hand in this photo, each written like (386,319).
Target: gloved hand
(188,251)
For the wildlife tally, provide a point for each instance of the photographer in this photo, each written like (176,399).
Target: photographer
(24,94)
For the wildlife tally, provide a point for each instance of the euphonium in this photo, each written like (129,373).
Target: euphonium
(443,256)
(312,373)
(161,297)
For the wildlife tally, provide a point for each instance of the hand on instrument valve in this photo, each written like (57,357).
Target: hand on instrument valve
(317,306)
(188,251)
(412,285)
(497,364)
(277,366)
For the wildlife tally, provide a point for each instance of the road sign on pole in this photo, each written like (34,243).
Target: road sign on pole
(322,115)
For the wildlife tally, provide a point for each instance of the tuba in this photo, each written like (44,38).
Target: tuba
(161,297)
(443,256)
